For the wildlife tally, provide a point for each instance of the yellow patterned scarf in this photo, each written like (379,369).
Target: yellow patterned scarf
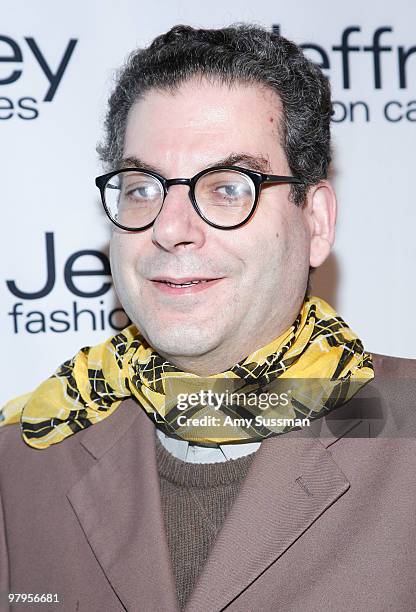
(318,357)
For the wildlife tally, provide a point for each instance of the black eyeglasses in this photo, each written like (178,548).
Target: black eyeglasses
(225,197)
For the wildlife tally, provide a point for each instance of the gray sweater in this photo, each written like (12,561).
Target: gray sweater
(196,498)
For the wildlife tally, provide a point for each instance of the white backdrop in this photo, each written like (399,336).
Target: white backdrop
(56,67)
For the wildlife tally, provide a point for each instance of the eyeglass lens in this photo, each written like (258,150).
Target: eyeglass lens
(224,197)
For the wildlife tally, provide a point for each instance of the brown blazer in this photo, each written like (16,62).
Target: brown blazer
(323,521)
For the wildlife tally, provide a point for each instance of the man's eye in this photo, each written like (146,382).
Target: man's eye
(145,191)
(232,190)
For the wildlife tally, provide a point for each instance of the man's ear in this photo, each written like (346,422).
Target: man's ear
(321,211)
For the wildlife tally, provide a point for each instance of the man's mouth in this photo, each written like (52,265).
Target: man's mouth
(183,283)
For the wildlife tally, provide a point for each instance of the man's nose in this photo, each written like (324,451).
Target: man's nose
(178,223)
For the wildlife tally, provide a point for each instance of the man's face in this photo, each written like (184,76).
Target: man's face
(262,266)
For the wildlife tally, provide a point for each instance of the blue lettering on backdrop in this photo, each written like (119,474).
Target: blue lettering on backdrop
(351,43)
(12,58)
(75,317)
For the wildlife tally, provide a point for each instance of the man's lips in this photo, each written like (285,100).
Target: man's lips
(185,285)
(179,281)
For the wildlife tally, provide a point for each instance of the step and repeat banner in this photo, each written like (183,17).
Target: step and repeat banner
(57,64)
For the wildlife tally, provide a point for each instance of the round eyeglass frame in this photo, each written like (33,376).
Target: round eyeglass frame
(258,178)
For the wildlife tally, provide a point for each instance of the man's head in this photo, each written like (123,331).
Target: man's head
(191,100)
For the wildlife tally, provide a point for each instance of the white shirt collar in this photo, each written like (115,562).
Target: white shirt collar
(201,454)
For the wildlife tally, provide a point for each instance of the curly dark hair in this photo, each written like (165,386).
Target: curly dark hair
(244,53)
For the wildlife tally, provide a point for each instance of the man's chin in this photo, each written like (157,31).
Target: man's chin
(181,341)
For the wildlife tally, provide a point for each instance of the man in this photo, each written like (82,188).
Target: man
(217,151)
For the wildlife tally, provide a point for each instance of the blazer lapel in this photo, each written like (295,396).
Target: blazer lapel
(118,506)
(292,481)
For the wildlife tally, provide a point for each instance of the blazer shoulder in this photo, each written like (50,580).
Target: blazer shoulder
(10,438)
(393,367)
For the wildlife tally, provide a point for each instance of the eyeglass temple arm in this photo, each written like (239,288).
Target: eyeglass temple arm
(275,178)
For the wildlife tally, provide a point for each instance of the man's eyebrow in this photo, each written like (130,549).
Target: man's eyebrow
(253,162)
(135,162)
